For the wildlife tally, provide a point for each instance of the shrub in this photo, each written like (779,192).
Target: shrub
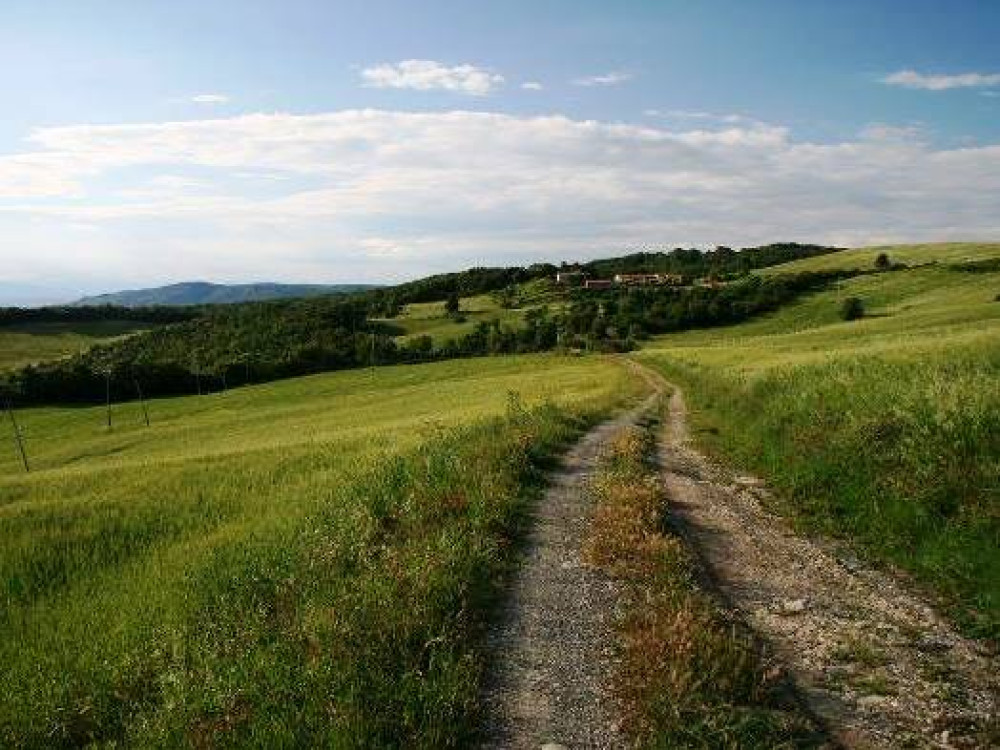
(852,308)
(882,262)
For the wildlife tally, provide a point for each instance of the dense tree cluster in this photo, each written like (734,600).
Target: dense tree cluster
(92,313)
(691,263)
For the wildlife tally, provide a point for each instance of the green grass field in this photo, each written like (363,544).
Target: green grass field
(430,318)
(28,343)
(304,563)
(883,431)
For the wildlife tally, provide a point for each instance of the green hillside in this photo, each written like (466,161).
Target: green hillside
(302,563)
(29,343)
(431,318)
(883,431)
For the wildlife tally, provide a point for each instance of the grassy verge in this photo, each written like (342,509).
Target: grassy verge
(898,457)
(688,676)
(318,573)
(882,432)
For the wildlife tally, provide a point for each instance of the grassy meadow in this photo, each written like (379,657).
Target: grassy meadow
(28,343)
(304,563)
(884,431)
(430,318)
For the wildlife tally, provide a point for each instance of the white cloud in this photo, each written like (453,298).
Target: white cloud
(698,115)
(911,79)
(371,194)
(532,86)
(210,99)
(427,75)
(607,79)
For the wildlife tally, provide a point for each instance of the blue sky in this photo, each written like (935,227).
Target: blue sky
(145,143)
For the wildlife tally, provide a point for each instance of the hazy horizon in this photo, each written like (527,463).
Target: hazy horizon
(317,142)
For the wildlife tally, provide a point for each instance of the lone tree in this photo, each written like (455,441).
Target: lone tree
(852,309)
(882,262)
(452,304)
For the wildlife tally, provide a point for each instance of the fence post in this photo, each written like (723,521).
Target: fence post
(17,435)
(107,394)
(142,401)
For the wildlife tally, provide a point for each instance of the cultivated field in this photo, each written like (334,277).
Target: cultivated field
(304,563)
(28,343)
(884,430)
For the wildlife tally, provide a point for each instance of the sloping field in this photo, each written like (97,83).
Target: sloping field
(303,563)
(883,431)
(430,318)
(27,343)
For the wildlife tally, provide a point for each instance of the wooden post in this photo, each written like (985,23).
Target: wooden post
(142,401)
(107,394)
(17,436)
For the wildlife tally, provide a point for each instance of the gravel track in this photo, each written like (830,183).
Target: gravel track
(872,659)
(554,647)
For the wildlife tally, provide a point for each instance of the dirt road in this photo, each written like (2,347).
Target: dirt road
(872,659)
(554,648)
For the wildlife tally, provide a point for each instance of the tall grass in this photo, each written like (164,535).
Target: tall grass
(899,454)
(687,676)
(883,432)
(325,592)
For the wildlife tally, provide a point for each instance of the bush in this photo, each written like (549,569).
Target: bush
(852,309)
(882,262)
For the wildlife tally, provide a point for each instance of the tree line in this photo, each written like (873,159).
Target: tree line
(263,341)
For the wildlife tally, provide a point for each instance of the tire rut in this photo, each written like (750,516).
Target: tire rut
(873,661)
(553,649)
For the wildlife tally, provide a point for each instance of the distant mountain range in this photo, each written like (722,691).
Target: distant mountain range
(205,293)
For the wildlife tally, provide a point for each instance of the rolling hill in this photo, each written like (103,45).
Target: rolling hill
(310,561)
(206,293)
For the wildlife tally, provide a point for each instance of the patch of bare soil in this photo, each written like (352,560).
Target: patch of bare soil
(553,650)
(873,660)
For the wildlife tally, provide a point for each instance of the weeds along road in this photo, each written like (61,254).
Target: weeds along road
(553,648)
(873,661)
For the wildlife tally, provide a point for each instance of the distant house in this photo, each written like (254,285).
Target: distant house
(647,279)
(598,284)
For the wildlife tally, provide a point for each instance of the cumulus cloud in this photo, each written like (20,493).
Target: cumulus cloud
(606,79)
(373,194)
(911,79)
(210,99)
(427,75)
(532,86)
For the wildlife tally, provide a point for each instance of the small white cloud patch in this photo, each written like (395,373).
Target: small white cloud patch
(911,79)
(210,99)
(532,86)
(428,75)
(606,79)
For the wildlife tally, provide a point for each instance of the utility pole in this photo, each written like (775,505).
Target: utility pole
(142,401)
(17,435)
(107,394)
